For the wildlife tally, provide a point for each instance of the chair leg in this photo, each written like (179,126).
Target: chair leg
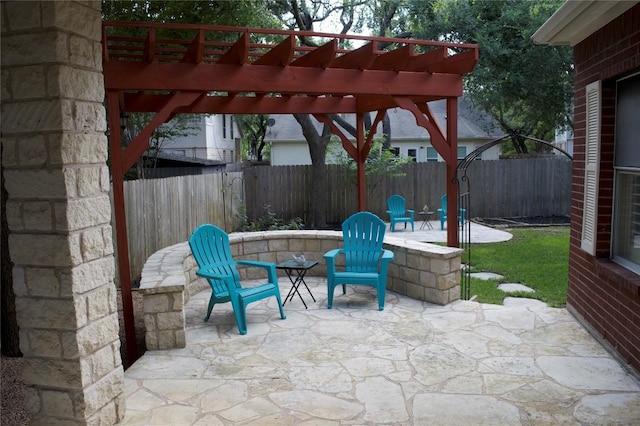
(240,314)
(282,315)
(211,303)
(381,295)
(330,289)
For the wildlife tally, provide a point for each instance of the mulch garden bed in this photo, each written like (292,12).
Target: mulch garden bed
(521,222)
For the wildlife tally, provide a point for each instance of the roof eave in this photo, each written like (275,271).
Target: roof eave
(574,21)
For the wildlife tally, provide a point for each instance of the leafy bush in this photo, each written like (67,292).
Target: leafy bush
(269,222)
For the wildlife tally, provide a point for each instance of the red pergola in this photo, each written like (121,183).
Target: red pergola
(169,69)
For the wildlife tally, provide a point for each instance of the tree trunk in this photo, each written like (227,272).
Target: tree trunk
(317,149)
(10,330)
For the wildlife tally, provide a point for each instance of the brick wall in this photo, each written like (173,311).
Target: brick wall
(605,296)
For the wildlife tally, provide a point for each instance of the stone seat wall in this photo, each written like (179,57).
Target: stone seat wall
(422,271)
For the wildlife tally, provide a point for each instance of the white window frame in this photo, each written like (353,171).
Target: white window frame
(593,108)
(616,231)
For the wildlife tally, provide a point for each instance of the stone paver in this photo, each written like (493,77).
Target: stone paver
(412,364)
(511,287)
(486,276)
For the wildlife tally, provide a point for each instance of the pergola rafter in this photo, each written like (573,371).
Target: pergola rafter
(169,69)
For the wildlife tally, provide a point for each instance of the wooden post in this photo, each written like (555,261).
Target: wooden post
(362,158)
(452,169)
(117,174)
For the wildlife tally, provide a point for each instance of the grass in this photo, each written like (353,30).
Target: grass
(535,257)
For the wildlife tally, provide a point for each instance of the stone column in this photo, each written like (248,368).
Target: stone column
(59,213)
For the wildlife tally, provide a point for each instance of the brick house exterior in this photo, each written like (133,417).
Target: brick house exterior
(602,294)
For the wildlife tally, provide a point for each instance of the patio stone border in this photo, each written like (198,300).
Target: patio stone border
(423,271)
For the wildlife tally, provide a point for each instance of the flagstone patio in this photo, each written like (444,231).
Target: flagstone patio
(412,364)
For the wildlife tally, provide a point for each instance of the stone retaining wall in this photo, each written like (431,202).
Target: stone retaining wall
(419,270)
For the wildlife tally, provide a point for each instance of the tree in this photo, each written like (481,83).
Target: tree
(246,13)
(179,126)
(353,14)
(253,128)
(527,88)
(381,162)
(303,14)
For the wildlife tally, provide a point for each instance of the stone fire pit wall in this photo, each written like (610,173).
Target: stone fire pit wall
(422,271)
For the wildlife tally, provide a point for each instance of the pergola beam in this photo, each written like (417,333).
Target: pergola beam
(269,79)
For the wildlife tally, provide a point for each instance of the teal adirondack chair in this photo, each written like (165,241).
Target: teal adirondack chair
(365,261)
(398,212)
(211,250)
(442,212)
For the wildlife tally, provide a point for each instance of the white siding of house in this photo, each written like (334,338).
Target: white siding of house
(290,153)
(208,142)
(296,153)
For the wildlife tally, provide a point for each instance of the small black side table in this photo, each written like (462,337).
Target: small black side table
(300,269)
(426,219)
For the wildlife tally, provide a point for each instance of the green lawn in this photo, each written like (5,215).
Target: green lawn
(535,257)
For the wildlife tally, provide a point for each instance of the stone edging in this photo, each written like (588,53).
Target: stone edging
(422,271)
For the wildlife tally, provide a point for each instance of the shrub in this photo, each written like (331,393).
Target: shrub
(269,222)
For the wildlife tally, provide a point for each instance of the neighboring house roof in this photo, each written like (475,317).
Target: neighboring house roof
(471,124)
(574,21)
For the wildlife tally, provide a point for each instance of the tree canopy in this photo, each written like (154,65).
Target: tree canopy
(242,13)
(526,87)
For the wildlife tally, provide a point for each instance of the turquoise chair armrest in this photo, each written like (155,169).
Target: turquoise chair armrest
(269,266)
(330,258)
(332,254)
(258,263)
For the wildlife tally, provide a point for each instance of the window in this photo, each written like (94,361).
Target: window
(626,205)
(224,126)
(432,154)
(395,151)
(231,126)
(462,152)
(413,153)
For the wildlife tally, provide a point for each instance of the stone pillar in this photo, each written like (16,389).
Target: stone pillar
(54,154)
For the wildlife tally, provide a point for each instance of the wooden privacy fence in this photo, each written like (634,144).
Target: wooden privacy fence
(501,188)
(163,212)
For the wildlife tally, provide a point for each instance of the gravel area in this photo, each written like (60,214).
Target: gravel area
(13,411)
(12,405)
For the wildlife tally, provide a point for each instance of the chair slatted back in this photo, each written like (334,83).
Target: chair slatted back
(396,205)
(363,234)
(211,250)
